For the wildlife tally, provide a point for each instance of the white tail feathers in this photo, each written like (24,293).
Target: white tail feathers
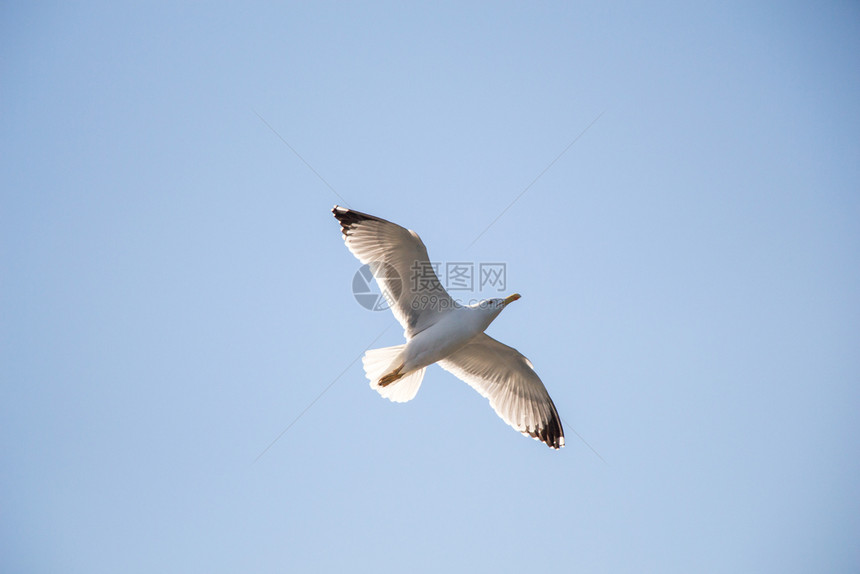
(401,390)
(380,362)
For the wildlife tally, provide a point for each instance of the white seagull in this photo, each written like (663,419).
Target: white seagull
(440,330)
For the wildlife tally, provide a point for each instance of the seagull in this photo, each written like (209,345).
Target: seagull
(440,330)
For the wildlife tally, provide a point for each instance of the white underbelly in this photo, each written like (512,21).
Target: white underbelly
(437,342)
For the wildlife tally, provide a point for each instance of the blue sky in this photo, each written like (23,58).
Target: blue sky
(175,292)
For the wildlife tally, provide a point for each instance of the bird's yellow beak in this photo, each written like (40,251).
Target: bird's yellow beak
(511,298)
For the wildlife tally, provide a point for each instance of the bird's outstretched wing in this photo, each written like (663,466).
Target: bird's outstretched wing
(398,260)
(505,377)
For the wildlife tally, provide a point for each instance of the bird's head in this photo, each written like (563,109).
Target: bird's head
(489,309)
(498,304)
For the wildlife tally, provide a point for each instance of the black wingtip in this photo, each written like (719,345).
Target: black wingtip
(348,218)
(551,435)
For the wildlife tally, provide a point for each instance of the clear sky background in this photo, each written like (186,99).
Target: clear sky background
(175,291)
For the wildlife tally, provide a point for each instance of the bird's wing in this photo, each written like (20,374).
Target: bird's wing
(505,377)
(398,260)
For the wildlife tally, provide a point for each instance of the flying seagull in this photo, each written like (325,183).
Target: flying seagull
(440,330)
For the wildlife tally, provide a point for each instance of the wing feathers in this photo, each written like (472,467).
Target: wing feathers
(505,377)
(398,260)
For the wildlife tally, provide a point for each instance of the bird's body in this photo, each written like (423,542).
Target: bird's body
(439,330)
(454,328)
(440,340)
